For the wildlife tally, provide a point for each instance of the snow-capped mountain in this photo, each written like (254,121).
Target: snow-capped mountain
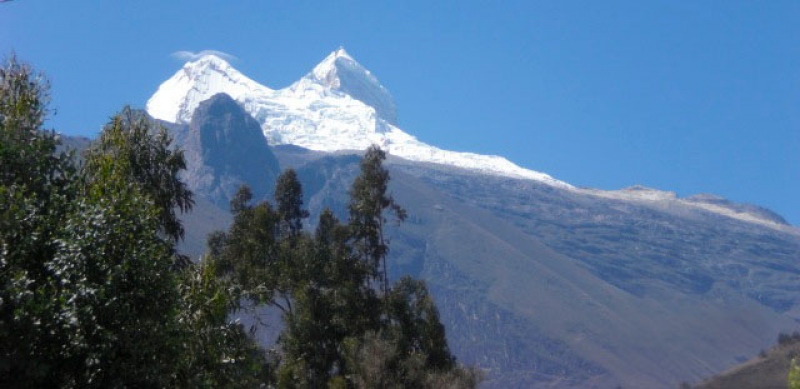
(341,106)
(637,287)
(338,106)
(341,72)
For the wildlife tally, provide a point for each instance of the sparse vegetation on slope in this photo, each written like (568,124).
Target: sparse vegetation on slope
(770,369)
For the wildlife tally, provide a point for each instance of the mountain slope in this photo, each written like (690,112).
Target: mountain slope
(538,282)
(770,369)
(670,294)
(557,288)
(543,286)
(341,106)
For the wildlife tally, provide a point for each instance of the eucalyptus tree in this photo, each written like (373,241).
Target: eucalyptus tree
(369,201)
(89,293)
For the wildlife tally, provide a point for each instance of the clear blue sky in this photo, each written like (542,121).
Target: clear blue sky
(688,96)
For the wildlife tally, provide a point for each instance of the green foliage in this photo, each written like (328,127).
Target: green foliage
(218,352)
(27,334)
(415,320)
(247,254)
(339,330)
(793,380)
(289,199)
(377,361)
(331,302)
(90,296)
(786,339)
(34,202)
(115,292)
(27,152)
(140,151)
(410,350)
(368,201)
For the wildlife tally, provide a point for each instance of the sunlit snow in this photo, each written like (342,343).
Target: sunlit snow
(338,106)
(341,106)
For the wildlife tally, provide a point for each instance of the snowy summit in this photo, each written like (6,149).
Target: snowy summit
(338,106)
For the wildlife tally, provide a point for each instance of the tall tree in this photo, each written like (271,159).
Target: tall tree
(116,294)
(88,295)
(340,331)
(416,321)
(333,301)
(33,195)
(247,254)
(87,299)
(369,199)
(289,200)
(150,161)
(217,351)
(27,152)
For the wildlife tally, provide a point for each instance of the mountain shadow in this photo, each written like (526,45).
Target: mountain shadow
(225,148)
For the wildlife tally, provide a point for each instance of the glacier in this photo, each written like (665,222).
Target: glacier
(338,106)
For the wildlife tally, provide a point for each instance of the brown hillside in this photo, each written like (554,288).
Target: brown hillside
(767,370)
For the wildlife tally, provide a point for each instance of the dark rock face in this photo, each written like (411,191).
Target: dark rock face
(225,148)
